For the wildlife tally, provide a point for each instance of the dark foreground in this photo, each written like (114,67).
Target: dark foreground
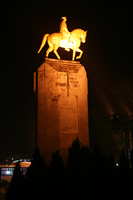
(86,175)
(2,196)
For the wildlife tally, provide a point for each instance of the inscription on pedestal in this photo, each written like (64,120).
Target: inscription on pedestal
(68,119)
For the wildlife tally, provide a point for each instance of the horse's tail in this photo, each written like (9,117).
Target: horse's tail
(43,42)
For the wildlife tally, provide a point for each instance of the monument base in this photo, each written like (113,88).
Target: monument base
(62,106)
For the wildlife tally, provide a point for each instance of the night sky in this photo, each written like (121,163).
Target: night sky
(107,58)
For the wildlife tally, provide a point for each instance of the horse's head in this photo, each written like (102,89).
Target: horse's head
(83,36)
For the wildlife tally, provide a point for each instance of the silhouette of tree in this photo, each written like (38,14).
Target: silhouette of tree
(87,171)
(16,187)
(35,176)
(57,164)
(77,169)
(97,160)
(84,159)
(74,154)
(55,176)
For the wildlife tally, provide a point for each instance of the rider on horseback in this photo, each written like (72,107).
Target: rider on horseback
(63,28)
(64,31)
(64,39)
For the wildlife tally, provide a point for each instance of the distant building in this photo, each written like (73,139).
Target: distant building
(17,158)
(6,171)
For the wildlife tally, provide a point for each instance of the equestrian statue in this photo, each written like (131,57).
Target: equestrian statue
(64,39)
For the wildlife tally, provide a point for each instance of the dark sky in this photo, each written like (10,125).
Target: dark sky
(107,58)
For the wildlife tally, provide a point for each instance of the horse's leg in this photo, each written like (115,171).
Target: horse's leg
(74,51)
(49,50)
(55,51)
(81,52)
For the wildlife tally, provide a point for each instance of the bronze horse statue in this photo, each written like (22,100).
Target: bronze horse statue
(56,40)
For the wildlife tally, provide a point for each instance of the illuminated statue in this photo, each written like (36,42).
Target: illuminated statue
(64,31)
(64,39)
(63,28)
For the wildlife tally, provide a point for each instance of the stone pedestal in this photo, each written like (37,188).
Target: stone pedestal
(62,106)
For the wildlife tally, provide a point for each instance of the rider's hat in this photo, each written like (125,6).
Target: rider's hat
(64,18)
